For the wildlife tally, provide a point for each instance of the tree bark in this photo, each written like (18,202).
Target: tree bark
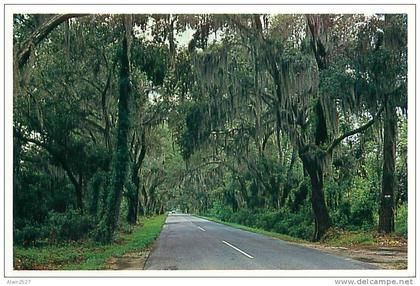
(313,160)
(387,204)
(133,198)
(96,189)
(133,203)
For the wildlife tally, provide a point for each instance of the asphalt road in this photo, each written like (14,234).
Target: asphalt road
(191,243)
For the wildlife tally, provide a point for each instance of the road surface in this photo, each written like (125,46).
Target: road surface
(191,243)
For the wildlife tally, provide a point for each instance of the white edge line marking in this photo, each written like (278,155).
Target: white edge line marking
(243,252)
(201,228)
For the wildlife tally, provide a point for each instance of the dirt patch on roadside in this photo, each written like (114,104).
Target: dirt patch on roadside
(386,251)
(129,261)
(383,257)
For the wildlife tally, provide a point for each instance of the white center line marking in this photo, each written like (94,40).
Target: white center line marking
(201,228)
(243,252)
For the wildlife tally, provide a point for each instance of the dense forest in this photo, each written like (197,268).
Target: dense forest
(291,123)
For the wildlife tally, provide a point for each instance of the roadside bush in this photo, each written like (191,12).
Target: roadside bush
(70,225)
(300,224)
(220,211)
(58,227)
(125,227)
(341,215)
(267,220)
(243,216)
(281,221)
(280,227)
(357,209)
(361,216)
(401,220)
(29,235)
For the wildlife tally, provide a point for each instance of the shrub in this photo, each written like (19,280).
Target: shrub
(280,227)
(401,220)
(220,211)
(243,216)
(281,221)
(341,215)
(70,225)
(361,216)
(29,234)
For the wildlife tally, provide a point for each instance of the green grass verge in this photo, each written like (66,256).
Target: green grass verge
(88,255)
(257,230)
(350,238)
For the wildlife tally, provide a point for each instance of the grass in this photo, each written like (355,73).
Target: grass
(349,238)
(87,255)
(257,230)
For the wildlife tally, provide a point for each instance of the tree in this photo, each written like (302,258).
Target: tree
(109,222)
(40,34)
(305,111)
(275,121)
(393,63)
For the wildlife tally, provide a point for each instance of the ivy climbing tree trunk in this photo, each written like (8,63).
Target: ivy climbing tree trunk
(110,219)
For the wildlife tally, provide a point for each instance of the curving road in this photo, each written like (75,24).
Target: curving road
(191,243)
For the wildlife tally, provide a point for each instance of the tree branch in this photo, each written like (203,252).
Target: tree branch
(41,33)
(51,151)
(362,128)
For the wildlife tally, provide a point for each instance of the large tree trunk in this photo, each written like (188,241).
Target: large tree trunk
(97,184)
(133,196)
(77,183)
(386,210)
(314,163)
(109,223)
(133,206)
(322,218)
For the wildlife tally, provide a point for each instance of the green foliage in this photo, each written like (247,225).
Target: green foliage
(70,225)
(225,122)
(346,239)
(57,228)
(358,207)
(283,221)
(401,225)
(152,59)
(195,130)
(87,255)
(29,235)
(220,211)
(257,230)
